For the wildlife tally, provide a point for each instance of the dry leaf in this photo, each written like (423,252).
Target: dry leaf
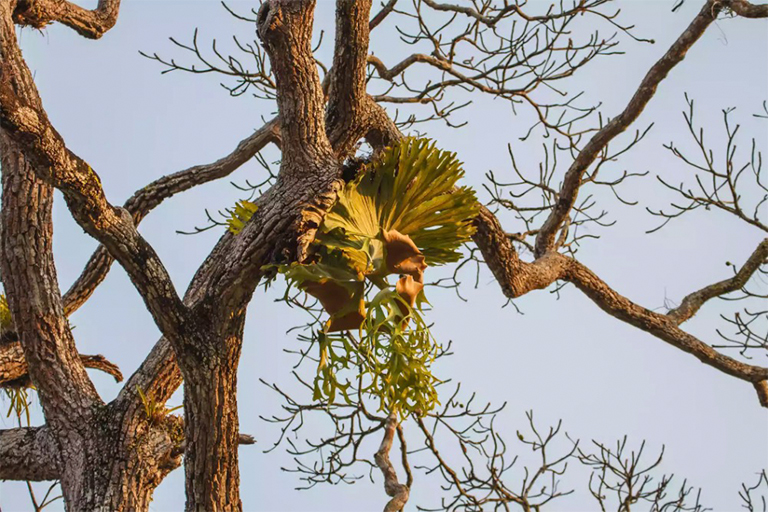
(403,257)
(335,298)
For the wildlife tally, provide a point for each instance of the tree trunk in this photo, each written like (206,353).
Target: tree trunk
(210,417)
(125,461)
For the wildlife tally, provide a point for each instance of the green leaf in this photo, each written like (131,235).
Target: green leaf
(402,213)
(5,314)
(241,214)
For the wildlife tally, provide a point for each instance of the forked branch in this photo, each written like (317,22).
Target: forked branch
(151,196)
(22,115)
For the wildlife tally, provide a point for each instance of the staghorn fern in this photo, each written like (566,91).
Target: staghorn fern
(390,361)
(402,213)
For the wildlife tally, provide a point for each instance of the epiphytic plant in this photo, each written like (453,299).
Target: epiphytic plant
(401,214)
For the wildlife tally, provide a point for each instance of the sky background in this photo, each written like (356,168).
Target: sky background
(564,359)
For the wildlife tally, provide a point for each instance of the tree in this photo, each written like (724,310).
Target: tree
(112,456)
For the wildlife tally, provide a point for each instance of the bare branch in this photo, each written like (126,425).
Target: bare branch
(14,369)
(755,497)
(347,96)
(392,486)
(573,178)
(499,13)
(657,324)
(149,197)
(715,187)
(747,9)
(285,28)
(382,14)
(517,278)
(25,120)
(693,301)
(259,77)
(506,60)
(628,478)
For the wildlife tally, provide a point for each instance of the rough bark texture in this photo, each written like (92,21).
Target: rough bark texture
(29,454)
(105,460)
(88,23)
(149,197)
(210,399)
(392,486)
(14,368)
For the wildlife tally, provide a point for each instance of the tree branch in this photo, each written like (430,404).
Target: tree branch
(149,197)
(285,29)
(347,97)
(747,9)
(573,177)
(691,304)
(657,324)
(392,486)
(13,366)
(515,277)
(501,13)
(15,372)
(28,453)
(518,278)
(22,116)
(382,14)
(290,212)
(88,23)
(158,377)
(34,300)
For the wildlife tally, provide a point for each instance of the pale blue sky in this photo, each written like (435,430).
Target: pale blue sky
(565,359)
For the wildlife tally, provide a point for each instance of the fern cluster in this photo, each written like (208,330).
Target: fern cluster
(401,214)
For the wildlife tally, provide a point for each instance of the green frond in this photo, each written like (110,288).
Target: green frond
(19,403)
(410,188)
(5,314)
(391,360)
(241,214)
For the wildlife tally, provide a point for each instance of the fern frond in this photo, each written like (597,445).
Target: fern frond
(411,189)
(241,214)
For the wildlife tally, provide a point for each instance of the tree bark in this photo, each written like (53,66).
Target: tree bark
(106,458)
(211,421)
